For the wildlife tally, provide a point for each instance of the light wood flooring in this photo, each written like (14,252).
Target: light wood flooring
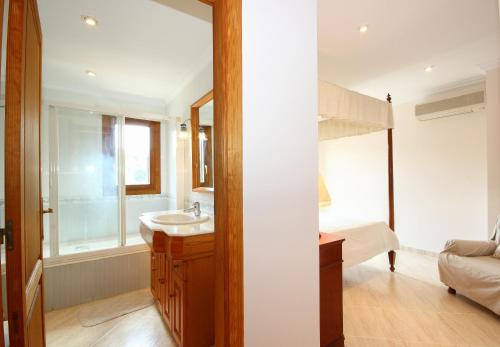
(408,308)
(411,307)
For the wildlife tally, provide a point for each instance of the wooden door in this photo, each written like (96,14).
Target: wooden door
(23,207)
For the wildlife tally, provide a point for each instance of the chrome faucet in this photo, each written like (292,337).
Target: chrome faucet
(196,209)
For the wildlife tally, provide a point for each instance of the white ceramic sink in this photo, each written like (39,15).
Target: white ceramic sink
(179,218)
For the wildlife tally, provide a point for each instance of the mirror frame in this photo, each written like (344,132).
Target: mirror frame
(195,153)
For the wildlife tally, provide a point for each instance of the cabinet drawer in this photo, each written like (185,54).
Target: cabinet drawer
(330,254)
(179,268)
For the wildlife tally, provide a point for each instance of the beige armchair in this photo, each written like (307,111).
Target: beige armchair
(472,269)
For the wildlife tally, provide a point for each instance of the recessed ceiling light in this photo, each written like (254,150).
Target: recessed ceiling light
(429,68)
(90,73)
(90,21)
(363,29)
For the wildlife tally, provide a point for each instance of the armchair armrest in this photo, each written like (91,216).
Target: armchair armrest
(468,248)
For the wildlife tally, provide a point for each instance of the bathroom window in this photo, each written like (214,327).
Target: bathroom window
(141,144)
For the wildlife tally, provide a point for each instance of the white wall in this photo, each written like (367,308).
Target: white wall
(180,107)
(439,176)
(281,272)
(493,120)
(440,179)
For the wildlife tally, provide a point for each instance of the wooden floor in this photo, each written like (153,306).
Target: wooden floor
(411,307)
(408,308)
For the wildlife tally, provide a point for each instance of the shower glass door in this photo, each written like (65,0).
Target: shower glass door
(85,180)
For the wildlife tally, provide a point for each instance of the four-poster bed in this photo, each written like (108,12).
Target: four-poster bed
(344,113)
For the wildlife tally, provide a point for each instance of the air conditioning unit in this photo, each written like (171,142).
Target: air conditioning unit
(455,106)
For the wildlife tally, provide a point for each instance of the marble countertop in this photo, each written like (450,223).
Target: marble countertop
(177,230)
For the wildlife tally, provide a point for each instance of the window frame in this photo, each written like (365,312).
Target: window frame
(154,186)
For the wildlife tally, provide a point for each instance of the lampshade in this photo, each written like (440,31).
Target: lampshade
(323,195)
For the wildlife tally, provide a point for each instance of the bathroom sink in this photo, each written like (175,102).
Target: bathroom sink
(179,218)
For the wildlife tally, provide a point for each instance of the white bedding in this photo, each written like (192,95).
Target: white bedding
(364,241)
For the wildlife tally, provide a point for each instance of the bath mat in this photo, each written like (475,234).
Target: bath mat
(105,310)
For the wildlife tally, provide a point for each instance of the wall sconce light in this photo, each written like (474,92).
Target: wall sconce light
(183,133)
(202,136)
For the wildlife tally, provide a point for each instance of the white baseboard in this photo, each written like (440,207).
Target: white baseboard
(419,251)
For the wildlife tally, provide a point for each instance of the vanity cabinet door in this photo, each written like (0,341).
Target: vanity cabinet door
(154,275)
(161,279)
(168,285)
(176,299)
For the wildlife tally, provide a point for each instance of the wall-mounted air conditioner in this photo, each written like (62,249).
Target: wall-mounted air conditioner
(455,106)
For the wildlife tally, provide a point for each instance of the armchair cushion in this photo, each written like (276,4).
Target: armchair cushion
(468,248)
(497,252)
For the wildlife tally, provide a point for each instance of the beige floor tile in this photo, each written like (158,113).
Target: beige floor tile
(411,306)
(371,342)
(407,308)
(142,328)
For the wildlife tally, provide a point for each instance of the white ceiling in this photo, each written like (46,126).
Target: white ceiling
(140,48)
(459,37)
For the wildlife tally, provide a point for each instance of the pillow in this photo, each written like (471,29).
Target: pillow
(497,252)
(468,248)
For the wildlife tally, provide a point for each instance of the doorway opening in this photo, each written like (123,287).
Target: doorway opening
(114,82)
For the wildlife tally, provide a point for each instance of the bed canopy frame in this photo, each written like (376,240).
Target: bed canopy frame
(344,113)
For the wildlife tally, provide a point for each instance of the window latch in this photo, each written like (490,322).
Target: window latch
(6,236)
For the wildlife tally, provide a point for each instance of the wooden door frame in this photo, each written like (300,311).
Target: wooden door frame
(2,337)
(228,171)
(228,168)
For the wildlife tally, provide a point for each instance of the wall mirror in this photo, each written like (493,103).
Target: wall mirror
(202,130)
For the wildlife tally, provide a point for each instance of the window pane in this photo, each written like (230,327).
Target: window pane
(137,151)
(88,198)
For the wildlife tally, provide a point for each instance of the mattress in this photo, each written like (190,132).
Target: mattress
(364,241)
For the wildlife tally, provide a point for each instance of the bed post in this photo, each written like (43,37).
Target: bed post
(391,254)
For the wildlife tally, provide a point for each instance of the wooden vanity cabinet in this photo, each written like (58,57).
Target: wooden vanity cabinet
(183,285)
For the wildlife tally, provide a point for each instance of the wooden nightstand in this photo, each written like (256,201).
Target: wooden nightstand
(330,284)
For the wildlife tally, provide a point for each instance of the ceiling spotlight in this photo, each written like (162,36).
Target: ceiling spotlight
(429,68)
(363,29)
(90,21)
(90,73)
